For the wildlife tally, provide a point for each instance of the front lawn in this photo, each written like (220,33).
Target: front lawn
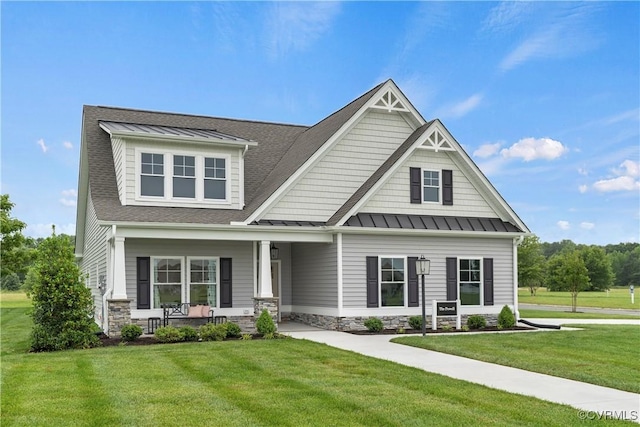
(242,383)
(552,314)
(605,355)
(617,298)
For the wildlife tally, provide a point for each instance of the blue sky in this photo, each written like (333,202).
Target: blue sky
(544,96)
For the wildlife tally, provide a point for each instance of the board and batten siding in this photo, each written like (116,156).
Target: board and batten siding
(356,248)
(314,275)
(233,170)
(117,146)
(94,254)
(394,195)
(342,170)
(241,254)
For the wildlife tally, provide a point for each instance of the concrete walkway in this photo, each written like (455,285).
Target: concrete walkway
(580,395)
(603,311)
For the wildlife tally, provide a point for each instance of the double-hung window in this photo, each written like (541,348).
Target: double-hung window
(430,186)
(152,175)
(166,281)
(392,282)
(470,274)
(203,283)
(184,176)
(215,178)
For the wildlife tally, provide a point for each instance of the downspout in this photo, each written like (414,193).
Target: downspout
(516,242)
(109,292)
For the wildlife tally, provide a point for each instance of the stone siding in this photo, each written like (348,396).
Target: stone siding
(119,314)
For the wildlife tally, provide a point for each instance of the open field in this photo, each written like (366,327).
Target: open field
(599,354)
(541,314)
(617,298)
(242,383)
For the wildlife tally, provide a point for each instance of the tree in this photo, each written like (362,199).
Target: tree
(551,249)
(531,264)
(631,268)
(14,248)
(570,274)
(599,267)
(62,304)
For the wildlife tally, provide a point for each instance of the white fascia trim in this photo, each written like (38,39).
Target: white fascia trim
(84,195)
(422,233)
(177,138)
(280,192)
(384,178)
(221,232)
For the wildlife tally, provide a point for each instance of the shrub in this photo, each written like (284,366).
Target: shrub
(475,321)
(447,327)
(233,330)
(506,319)
(268,336)
(211,332)
(401,331)
(265,324)
(168,334)
(373,324)
(415,322)
(247,337)
(130,332)
(188,333)
(62,304)
(10,282)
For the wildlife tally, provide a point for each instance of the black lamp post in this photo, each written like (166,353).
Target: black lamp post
(422,268)
(274,251)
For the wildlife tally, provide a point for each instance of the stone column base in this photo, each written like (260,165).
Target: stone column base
(269,304)
(119,314)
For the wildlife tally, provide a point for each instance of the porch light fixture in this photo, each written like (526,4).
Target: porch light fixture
(274,251)
(423,267)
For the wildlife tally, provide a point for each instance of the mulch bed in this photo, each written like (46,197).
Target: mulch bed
(441,331)
(149,340)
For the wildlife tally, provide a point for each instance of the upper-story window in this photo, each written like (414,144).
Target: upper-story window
(184,176)
(430,186)
(152,175)
(188,178)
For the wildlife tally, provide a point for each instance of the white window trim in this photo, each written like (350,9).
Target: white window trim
(406,281)
(153,282)
(186,297)
(168,177)
(481,259)
(422,171)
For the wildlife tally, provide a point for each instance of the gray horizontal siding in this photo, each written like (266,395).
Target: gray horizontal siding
(240,252)
(94,254)
(357,247)
(314,274)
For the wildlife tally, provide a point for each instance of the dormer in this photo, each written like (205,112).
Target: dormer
(177,167)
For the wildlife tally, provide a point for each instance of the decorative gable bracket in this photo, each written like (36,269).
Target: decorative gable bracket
(438,142)
(389,101)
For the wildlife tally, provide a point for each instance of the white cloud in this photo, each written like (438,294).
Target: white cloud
(583,171)
(487,150)
(506,16)
(587,225)
(564,225)
(629,172)
(69,198)
(68,145)
(583,189)
(42,145)
(535,148)
(463,107)
(295,26)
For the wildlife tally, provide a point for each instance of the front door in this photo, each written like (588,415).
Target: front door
(275,283)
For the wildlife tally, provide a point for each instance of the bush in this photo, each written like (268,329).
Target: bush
(211,332)
(188,333)
(415,322)
(168,334)
(373,324)
(130,332)
(265,324)
(247,337)
(10,282)
(506,319)
(233,330)
(62,304)
(475,321)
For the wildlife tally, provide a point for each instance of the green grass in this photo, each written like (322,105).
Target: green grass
(605,355)
(14,299)
(538,314)
(618,298)
(242,383)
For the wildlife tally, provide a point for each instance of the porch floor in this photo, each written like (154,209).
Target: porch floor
(289,326)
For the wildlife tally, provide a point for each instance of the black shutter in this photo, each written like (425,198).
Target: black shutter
(413,282)
(372,281)
(447,187)
(143,282)
(452,279)
(488,281)
(415,183)
(225,283)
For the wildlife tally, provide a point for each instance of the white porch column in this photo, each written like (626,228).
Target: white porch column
(264,279)
(119,273)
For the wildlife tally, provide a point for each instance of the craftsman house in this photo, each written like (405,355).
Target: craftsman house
(320,224)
